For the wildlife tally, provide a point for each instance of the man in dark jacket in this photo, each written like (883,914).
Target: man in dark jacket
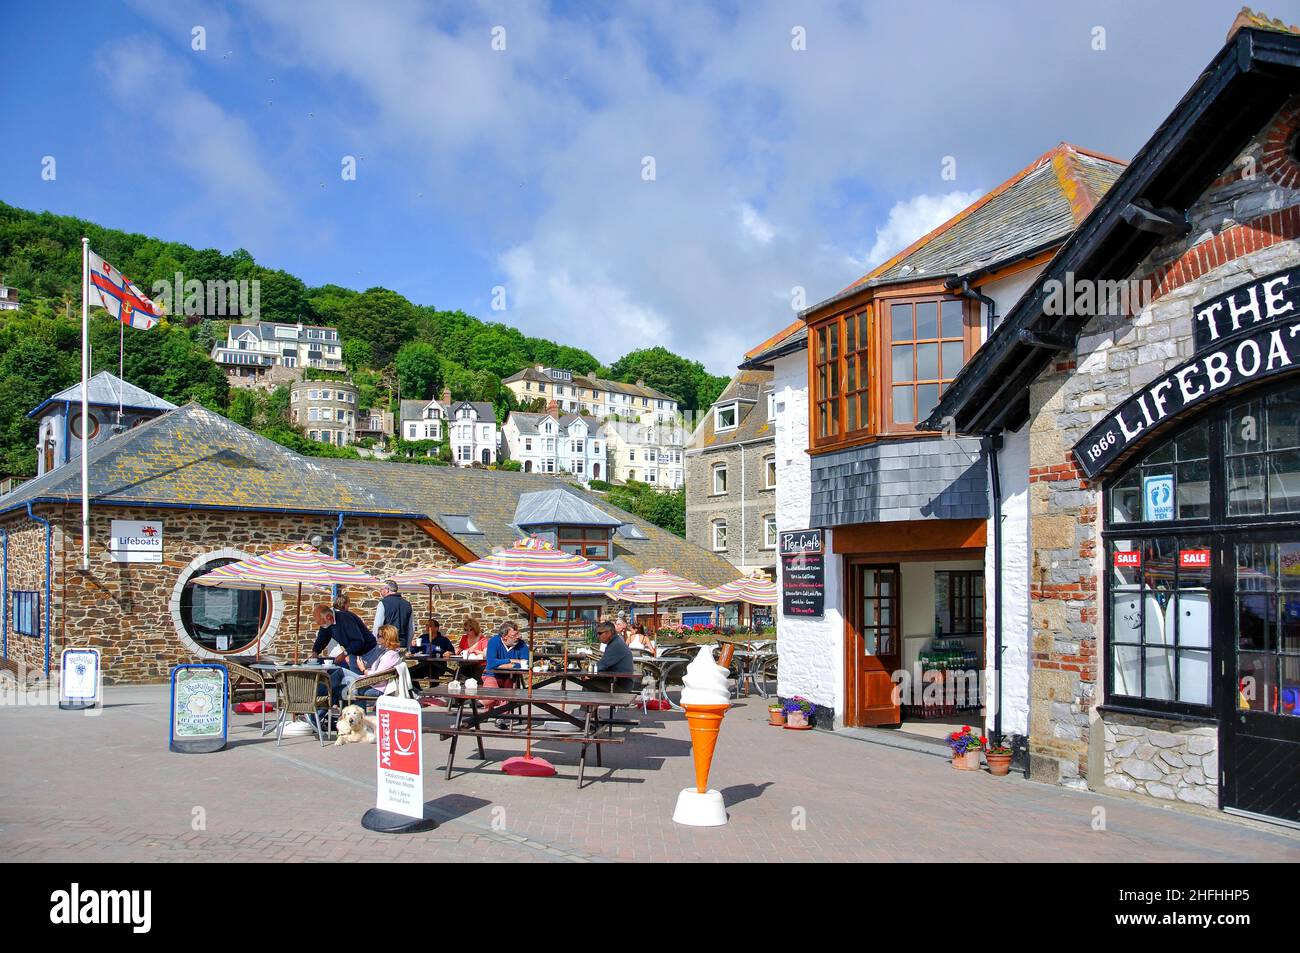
(615,660)
(394,610)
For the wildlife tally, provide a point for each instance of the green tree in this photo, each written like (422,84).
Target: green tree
(419,370)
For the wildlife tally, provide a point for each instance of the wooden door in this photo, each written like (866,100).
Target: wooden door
(873,647)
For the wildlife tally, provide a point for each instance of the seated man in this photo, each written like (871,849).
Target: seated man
(504,650)
(615,659)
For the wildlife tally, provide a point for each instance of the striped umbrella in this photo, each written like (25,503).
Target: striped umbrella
(287,570)
(530,567)
(655,584)
(756,590)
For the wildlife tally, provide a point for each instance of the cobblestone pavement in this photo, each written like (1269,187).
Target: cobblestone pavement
(79,788)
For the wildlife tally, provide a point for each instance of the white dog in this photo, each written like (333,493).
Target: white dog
(355,727)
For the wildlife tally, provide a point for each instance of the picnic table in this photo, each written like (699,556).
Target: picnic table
(470,718)
(559,676)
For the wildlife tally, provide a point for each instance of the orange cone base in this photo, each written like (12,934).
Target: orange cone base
(700,810)
(522,767)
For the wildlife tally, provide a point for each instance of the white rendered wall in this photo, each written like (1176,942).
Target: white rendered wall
(810,650)
(1013,465)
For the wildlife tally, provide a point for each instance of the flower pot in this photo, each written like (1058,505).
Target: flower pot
(970,761)
(775,716)
(999,764)
(797,719)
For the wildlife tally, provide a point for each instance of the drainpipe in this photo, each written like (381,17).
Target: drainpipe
(338,528)
(966,291)
(995,477)
(49,538)
(4,594)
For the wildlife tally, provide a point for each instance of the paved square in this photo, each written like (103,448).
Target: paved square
(79,788)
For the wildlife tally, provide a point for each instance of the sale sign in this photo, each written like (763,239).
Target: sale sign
(1194,558)
(1128,558)
(398,756)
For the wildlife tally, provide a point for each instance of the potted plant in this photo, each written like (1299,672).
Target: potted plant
(966,749)
(776,714)
(998,756)
(798,712)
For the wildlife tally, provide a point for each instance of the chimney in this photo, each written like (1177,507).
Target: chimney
(640,382)
(552,407)
(446,395)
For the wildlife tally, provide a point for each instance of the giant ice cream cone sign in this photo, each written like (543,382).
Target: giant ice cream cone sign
(706,698)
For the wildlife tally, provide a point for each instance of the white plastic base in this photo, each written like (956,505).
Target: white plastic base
(700,810)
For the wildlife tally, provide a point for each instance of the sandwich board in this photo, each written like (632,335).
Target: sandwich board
(399,767)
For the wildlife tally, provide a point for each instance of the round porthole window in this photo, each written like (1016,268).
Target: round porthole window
(76,426)
(215,622)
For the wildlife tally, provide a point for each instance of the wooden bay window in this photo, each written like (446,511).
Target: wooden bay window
(881,367)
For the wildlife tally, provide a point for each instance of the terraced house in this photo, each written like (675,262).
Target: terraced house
(731,475)
(591,396)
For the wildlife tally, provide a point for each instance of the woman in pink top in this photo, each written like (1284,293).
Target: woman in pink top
(391,658)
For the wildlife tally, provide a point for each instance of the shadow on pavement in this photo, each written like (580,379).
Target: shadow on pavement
(739,793)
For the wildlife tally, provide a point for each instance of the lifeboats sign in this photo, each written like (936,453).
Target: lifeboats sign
(136,542)
(1267,350)
(1274,297)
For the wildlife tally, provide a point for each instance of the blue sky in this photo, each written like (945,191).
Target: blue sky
(523,167)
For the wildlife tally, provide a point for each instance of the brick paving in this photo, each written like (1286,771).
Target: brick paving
(83,788)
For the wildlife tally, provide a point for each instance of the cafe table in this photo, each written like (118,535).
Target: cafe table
(277,667)
(470,717)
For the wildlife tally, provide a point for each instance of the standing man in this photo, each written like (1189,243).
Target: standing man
(394,610)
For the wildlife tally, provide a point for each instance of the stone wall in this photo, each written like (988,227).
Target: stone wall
(743,506)
(25,573)
(127,609)
(1166,760)
(1244,226)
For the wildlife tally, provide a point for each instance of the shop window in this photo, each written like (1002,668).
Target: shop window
(1159,626)
(1267,592)
(221,620)
(591,542)
(1172,482)
(27,612)
(1262,439)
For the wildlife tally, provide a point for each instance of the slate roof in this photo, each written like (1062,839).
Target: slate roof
(193,456)
(750,388)
(491,499)
(526,423)
(265,331)
(484,410)
(559,507)
(104,389)
(591,383)
(1038,206)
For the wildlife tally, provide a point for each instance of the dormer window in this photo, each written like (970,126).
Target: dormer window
(724,418)
(589,541)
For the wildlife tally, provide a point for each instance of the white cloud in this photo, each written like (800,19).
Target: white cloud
(754,226)
(911,218)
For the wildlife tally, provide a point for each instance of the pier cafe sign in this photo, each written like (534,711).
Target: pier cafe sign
(1244,336)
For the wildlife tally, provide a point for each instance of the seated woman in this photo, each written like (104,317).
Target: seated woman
(388,661)
(473,640)
(638,640)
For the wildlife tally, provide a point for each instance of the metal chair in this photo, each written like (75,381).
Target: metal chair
(299,693)
(246,681)
(763,669)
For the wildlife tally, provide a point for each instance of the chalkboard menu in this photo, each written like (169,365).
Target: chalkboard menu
(803,572)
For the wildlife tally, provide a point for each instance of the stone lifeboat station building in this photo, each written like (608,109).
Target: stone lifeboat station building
(214,492)
(1100,512)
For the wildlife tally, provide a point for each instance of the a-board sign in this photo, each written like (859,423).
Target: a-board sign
(79,679)
(803,572)
(398,757)
(200,708)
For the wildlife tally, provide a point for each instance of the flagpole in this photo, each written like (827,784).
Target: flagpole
(121,366)
(85,403)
